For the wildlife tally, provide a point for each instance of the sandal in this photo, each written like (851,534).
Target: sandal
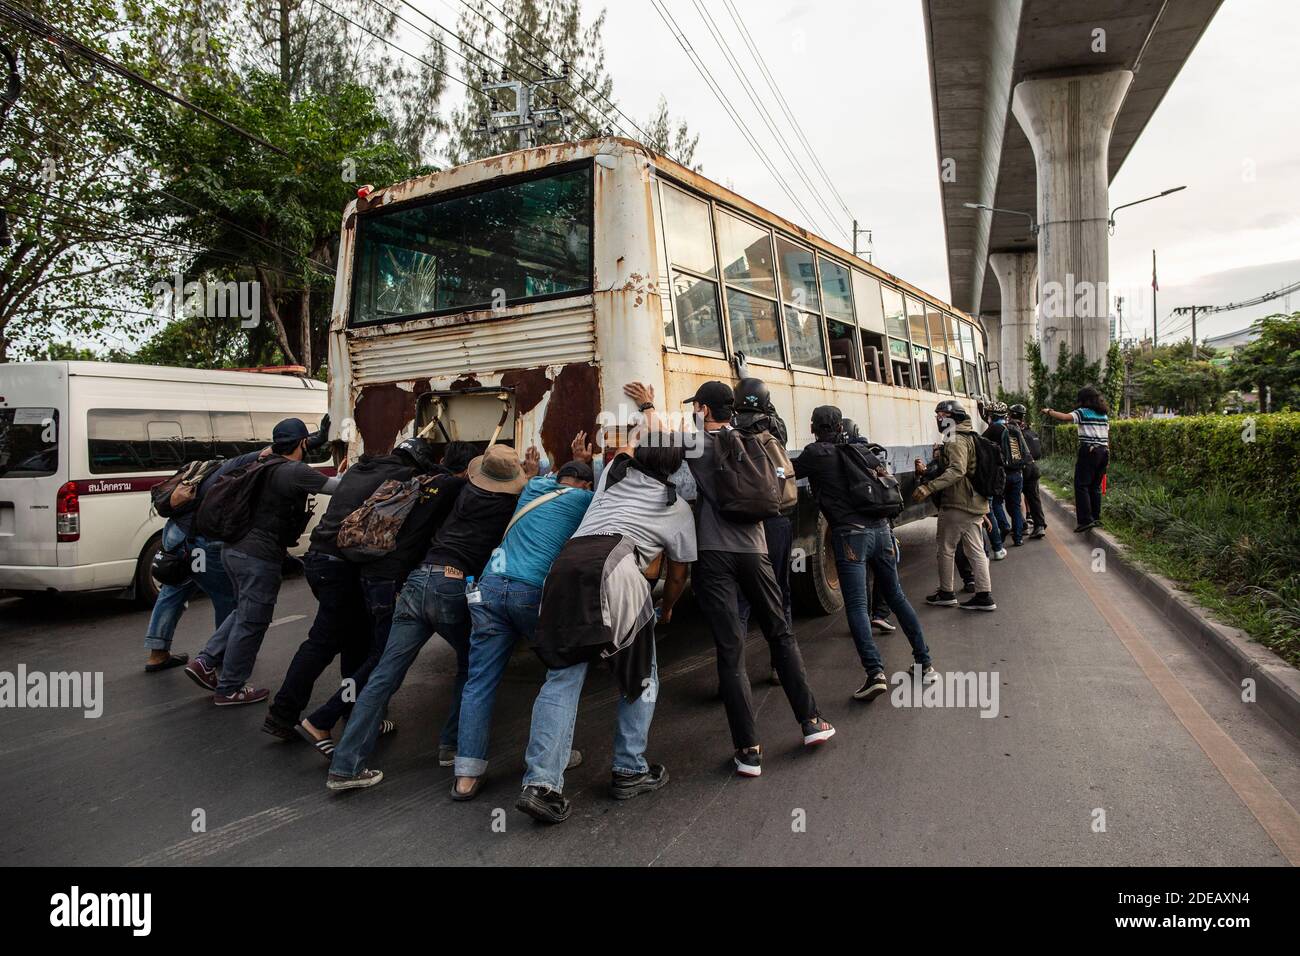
(323,747)
(174,660)
(470,794)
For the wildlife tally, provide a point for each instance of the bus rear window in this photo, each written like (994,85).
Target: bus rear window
(504,245)
(29,442)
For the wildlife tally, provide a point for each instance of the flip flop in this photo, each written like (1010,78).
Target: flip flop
(323,747)
(174,660)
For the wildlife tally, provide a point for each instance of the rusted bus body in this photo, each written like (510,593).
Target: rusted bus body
(537,369)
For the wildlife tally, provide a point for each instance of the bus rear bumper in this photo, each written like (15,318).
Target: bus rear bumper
(109,575)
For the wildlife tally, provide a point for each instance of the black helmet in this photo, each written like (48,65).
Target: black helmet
(950,406)
(752,395)
(419,451)
(851,429)
(1018,412)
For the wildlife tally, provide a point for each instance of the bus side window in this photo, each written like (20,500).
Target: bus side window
(874,358)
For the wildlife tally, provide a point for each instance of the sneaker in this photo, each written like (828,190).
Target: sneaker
(980,602)
(816,731)
(273,727)
(575,760)
(545,806)
(749,762)
(446,756)
(1018,543)
(969,587)
(248,694)
(999,554)
(1084,527)
(201,674)
(1038,533)
(928,674)
(941,598)
(625,786)
(874,686)
(881,624)
(341,781)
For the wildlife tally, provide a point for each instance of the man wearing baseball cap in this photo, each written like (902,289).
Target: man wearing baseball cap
(255,562)
(434,599)
(733,560)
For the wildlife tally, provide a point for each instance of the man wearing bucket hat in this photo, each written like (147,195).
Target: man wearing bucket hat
(434,599)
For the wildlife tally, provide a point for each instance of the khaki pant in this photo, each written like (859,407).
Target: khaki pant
(956,526)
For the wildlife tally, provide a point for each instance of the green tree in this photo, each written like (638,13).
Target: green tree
(672,137)
(1271,364)
(64,173)
(260,217)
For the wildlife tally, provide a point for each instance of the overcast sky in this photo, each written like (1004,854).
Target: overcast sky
(855,74)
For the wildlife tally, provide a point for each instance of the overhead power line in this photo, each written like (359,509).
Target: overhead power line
(729,109)
(763,113)
(46,31)
(785,106)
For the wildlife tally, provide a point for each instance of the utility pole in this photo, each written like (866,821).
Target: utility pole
(870,241)
(1194,355)
(1155,287)
(525,119)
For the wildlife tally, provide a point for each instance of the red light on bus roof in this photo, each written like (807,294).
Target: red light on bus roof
(365,191)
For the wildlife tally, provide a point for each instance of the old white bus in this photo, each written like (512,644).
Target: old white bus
(513,297)
(81,444)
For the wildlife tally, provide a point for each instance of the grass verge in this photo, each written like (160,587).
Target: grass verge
(1237,555)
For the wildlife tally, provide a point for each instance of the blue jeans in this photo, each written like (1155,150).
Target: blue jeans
(172,598)
(429,602)
(555,712)
(507,613)
(855,549)
(233,648)
(1010,504)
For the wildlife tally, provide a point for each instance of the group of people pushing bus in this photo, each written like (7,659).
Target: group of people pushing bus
(487,551)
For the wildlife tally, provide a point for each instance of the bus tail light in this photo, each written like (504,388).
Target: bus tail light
(68,513)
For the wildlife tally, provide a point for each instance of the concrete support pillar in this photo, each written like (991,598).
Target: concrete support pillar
(1015,272)
(1068,121)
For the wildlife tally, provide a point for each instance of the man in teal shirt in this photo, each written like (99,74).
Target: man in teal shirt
(506,604)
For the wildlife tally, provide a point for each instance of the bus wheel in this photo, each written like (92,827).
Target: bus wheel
(816,590)
(146,588)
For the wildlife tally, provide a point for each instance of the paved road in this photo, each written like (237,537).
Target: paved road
(1080,727)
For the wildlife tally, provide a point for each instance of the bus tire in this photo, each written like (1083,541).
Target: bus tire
(816,589)
(146,588)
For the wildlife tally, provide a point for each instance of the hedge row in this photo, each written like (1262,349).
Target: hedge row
(1255,455)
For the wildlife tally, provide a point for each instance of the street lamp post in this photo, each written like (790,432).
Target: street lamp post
(1110,221)
(1033,226)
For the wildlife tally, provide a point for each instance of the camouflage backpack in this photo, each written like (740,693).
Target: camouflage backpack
(371,531)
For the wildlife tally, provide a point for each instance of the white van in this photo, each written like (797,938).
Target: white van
(82,443)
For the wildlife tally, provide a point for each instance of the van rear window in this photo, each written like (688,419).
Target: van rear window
(29,442)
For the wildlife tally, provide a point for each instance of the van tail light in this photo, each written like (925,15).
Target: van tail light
(68,513)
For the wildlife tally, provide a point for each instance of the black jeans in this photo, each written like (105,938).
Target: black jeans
(1033,500)
(780,541)
(342,629)
(718,579)
(1089,468)
(381,597)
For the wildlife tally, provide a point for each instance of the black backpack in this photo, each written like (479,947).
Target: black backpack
(1032,442)
(989,478)
(874,495)
(745,481)
(228,507)
(1013,448)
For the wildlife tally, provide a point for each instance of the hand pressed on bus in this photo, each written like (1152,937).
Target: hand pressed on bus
(581,448)
(532,462)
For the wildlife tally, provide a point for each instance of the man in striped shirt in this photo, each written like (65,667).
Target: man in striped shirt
(1093,418)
